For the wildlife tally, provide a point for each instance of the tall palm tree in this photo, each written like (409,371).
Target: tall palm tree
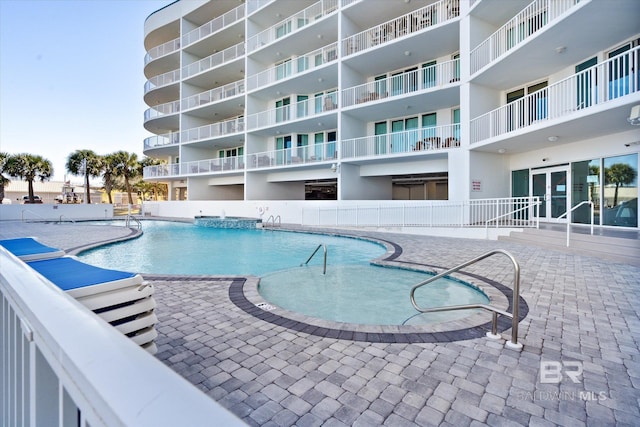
(3,179)
(29,167)
(109,174)
(127,167)
(87,163)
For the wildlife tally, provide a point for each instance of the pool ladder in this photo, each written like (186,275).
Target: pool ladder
(136,220)
(494,325)
(273,221)
(324,247)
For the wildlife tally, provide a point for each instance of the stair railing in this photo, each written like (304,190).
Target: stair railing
(566,214)
(324,247)
(273,221)
(534,203)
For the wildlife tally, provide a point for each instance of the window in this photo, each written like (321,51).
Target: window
(523,111)
(282,109)
(283,69)
(302,106)
(429,74)
(584,81)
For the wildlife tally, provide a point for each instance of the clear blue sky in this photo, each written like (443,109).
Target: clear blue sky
(71,77)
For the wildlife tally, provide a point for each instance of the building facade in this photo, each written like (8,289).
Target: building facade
(398,100)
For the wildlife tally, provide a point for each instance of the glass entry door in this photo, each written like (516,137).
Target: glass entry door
(552,186)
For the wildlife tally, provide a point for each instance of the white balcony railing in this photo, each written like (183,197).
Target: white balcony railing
(161,171)
(218,58)
(162,140)
(213,130)
(501,213)
(300,110)
(302,155)
(612,79)
(292,24)
(411,141)
(61,365)
(208,166)
(417,20)
(253,5)
(214,95)
(433,76)
(293,67)
(162,80)
(162,50)
(218,23)
(519,29)
(162,110)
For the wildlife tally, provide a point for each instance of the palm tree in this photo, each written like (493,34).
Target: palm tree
(619,174)
(87,163)
(127,167)
(155,187)
(29,167)
(109,174)
(3,179)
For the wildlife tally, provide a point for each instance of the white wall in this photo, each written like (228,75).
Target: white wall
(48,212)
(492,173)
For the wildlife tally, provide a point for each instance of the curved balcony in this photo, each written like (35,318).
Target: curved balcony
(162,80)
(414,141)
(162,110)
(294,156)
(161,171)
(292,24)
(217,24)
(300,110)
(214,95)
(294,67)
(434,76)
(214,60)
(214,130)
(162,50)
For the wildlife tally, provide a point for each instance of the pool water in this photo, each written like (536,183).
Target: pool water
(366,294)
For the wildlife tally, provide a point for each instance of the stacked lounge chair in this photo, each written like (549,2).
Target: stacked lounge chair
(121,298)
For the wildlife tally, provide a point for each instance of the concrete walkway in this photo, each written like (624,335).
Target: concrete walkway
(582,325)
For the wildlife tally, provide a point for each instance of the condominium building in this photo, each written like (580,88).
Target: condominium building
(398,100)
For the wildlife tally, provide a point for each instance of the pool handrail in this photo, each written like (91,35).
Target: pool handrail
(273,220)
(494,326)
(324,247)
(136,220)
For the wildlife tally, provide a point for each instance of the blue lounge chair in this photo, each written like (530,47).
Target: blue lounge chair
(30,249)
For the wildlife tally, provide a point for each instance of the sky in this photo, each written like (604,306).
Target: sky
(71,77)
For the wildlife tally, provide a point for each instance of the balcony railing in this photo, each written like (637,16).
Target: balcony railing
(213,130)
(163,49)
(161,171)
(162,80)
(429,77)
(519,29)
(612,79)
(294,66)
(214,95)
(300,110)
(218,58)
(216,24)
(222,164)
(417,20)
(292,24)
(411,141)
(253,5)
(162,140)
(162,110)
(302,155)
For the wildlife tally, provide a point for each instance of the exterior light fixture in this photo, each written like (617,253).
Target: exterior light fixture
(561,49)
(634,117)
(502,151)
(552,138)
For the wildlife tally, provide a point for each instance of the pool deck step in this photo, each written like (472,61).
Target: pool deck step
(625,249)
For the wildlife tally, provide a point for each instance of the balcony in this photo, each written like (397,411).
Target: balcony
(572,97)
(255,5)
(294,156)
(434,76)
(418,20)
(292,24)
(162,80)
(162,110)
(163,140)
(294,67)
(535,17)
(214,95)
(288,113)
(219,23)
(414,141)
(161,171)
(209,166)
(215,130)
(162,50)
(218,58)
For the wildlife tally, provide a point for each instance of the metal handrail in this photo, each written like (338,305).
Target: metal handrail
(589,202)
(535,203)
(136,220)
(60,219)
(32,212)
(494,326)
(324,270)
(273,219)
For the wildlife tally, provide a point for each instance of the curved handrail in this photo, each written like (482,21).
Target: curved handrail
(589,202)
(136,220)
(516,296)
(273,220)
(324,247)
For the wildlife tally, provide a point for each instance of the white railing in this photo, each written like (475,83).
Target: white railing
(216,24)
(410,141)
(214,95)
(292,24)
(213,130)
(566,215)
(160,171)
(211,61)
(162,80)
(612,79)
(417,20)
(433,76)
(162,140)
(300,110)
(519,29)
(253,5)
(425,213)
(163,49)
(302,155)
(293,67)
(222,164)
(162,110)
(61,365)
